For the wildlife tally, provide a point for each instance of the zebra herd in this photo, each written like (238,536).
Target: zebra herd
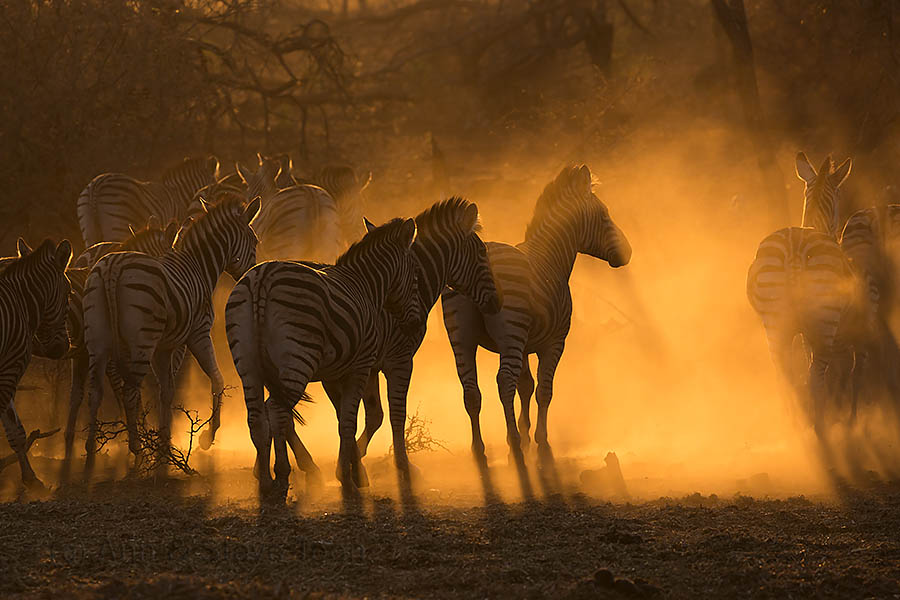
(833,287)
(317,298)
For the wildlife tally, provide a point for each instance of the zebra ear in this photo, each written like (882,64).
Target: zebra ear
(213,164)
(153,222)
(204,204)
(171,231)
(584,177)
(252,209)
(63,255)
(805,170)
(131,230)
(369,225)
(368,180)
(243,172)
(259,158)
(470,218)
(840,174)
(408,232)
(23,248)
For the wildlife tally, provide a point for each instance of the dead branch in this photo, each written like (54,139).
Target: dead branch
(34,436)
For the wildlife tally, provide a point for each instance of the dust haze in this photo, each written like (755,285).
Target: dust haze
(666,364)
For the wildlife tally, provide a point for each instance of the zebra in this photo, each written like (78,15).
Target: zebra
(346,188)
(288,324)
(448,252)
(152,240)
(112,201)
(800,283)
(297,220)
(533,278)
(871,241)
(34,300)
(139,310)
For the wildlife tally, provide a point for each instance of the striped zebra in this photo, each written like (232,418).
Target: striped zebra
(296,221)
(288,324)
(140,310)
(871,242)
(34,301)
(113,201)
(153,240)
(800,283)
(533,278)
(448,252)
(346,188)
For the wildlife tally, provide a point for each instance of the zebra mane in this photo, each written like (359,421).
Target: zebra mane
(229,204)
(822,174)
(374,238)
(446,214)
(43,253)
(555,195)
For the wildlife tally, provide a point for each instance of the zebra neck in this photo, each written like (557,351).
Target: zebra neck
(552,253)
(431,272)
(206,264)
(24,295)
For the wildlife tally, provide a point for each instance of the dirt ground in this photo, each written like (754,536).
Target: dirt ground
(207,538)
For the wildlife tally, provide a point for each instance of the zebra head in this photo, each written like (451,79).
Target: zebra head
(42,273)
(822,196)
(346,187)
(192,174)
(451,227)
(286,175)
(398,267)
(222,234)
(262,182)
(152,239)
(598,235)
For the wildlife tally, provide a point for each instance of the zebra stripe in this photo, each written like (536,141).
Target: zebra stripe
(800,283)
(139,310)
(533,278)
(288,324)
(448,252)
(113,201)
(34,293)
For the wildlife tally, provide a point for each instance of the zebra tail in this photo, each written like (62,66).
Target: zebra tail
(304,397)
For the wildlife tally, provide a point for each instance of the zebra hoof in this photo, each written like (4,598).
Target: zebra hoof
(206,440)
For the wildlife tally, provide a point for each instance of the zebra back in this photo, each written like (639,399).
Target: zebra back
(112,202)
(346,188)
(299,222)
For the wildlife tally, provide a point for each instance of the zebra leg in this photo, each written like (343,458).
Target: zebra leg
(507,376)
(202,349)
(162,368)
(374,411)
(280,422)
(352,475)
(76,396)
(467,371)
(398,387)
(96,371)
(304,460)
(257,422)
(547,363)
(15,434)
(335,393)
(525,388)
